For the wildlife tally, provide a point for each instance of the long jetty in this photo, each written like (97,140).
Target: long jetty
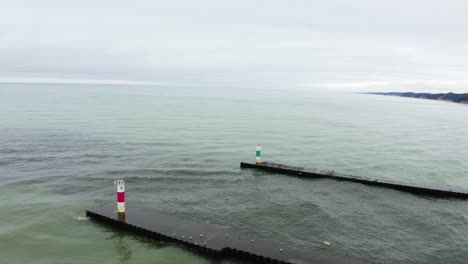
(420,189)
(207,238)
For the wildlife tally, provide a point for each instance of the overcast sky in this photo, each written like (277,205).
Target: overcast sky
(355,45)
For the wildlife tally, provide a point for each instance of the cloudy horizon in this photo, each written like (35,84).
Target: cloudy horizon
(335,45)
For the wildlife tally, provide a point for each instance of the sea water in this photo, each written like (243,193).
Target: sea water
(179,148)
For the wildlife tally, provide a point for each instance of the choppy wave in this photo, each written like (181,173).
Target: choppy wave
(194,172)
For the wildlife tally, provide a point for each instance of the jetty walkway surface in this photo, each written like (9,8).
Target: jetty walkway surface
(207,238)
(421,189)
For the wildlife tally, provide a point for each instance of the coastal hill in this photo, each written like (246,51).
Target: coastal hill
(452,97)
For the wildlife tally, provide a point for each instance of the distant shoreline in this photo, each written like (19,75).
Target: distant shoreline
(450,97)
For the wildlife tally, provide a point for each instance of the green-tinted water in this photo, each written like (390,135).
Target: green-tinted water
(61,147)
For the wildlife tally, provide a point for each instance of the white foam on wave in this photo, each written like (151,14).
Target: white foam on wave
(80,218)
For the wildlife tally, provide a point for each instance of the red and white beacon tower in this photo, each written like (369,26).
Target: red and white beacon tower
(120,195)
